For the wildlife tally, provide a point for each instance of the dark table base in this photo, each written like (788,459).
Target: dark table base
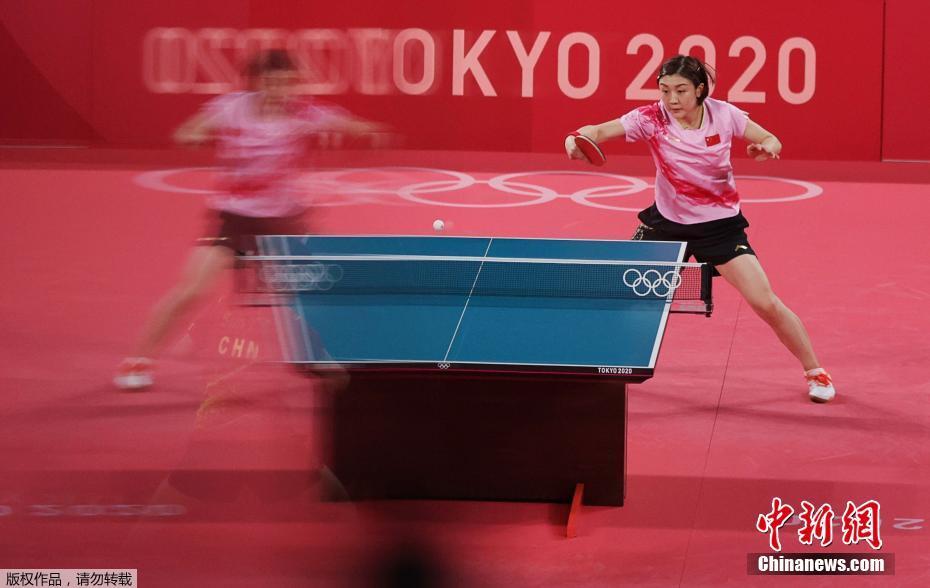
(449,436)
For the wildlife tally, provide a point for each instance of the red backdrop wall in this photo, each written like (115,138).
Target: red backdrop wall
(907,86)
(489,75)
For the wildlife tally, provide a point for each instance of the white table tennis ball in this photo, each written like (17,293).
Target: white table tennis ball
(438,225)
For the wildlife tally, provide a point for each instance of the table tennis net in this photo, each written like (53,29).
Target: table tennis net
(478,276)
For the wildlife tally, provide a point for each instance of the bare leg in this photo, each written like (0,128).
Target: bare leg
(200,273)
(745,273)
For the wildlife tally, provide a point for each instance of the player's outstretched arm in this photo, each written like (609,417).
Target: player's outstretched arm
(762,144)
(597,133)
(195,130)
(359,126)
(330,118)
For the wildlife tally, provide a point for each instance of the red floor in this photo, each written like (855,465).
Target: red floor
(723,428)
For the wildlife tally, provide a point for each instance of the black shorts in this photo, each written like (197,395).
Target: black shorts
(238,232)
(715,242)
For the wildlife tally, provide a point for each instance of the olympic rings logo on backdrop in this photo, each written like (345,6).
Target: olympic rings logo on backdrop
(309,277)
(438,187)
(652,282)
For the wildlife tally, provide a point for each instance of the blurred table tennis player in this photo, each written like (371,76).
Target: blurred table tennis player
(261,135)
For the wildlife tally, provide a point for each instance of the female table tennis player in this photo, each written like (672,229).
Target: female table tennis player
(696,200)
(260,135)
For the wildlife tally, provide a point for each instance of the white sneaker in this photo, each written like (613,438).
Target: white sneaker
(134,373)
(820,385)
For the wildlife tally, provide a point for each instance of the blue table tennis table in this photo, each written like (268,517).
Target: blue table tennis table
(481,368)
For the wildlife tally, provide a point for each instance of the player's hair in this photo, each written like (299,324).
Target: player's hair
(268,61)
(691,69)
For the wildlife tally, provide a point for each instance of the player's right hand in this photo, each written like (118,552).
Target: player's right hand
(571,149)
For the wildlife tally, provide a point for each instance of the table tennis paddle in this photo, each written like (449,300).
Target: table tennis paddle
(589,149)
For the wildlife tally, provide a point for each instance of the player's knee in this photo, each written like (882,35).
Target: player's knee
(187,295)
(767,306)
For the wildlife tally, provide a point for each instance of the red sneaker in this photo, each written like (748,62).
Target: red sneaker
(820,385)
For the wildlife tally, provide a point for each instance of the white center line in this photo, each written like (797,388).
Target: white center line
(467,300)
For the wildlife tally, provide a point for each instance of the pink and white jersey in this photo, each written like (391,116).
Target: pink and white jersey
(694,176)
(259,157)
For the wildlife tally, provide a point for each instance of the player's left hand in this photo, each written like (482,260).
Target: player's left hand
(760,152)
